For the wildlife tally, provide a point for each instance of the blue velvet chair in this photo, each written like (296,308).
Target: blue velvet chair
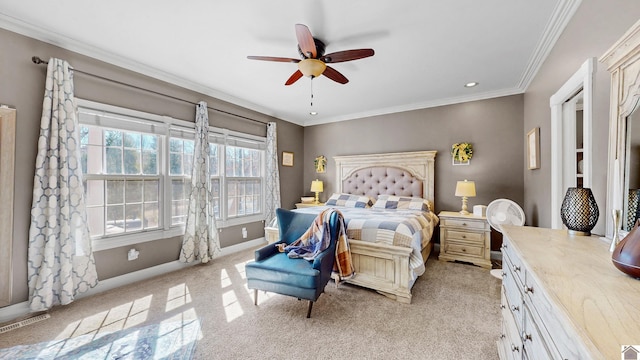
(275,272)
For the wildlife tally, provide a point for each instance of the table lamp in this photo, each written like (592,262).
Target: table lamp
(317,187)
(465,189)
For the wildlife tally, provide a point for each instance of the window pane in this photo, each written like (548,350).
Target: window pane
(175,164)
(188,146)
(215,192)
(132,140)
(134,217)
(94,190)
(149,163)
(131,161)
(151,216)
(115,192)
(149,142)
(175,145)
(115,219)
(151,190)
(112,138)
(133,191)
(213,160)
(114,161)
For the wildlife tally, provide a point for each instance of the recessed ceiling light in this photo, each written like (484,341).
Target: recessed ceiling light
(471,84)
(314,113)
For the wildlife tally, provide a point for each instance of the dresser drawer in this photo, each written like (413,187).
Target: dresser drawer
(561,337)
(513,297)
(510,341)
(461,248)
(534,343)
(470,236)
(515,264)
(464,223)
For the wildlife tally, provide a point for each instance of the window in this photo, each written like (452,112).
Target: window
(137,174)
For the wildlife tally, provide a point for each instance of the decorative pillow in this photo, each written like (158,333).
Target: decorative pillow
(348,200)
(401,202)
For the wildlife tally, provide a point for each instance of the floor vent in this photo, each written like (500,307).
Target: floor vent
(24,322)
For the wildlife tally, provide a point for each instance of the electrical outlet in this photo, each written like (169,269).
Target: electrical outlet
(244,232)
(133,254)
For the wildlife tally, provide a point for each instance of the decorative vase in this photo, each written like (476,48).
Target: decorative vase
(626,256)
(579,211)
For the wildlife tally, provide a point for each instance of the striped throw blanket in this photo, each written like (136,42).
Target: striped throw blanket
(318,238)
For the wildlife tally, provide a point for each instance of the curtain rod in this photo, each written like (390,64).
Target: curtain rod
(37,60)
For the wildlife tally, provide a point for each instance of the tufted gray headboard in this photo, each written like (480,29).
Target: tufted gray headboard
(403,174)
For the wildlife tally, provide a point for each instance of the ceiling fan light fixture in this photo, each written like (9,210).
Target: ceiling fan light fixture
(311,67)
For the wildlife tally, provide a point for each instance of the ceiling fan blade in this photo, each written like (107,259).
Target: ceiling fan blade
(273,58)
(294,77)
(305,41)
(334,75)
(347,55)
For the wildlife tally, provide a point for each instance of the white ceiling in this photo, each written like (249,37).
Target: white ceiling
(425,51)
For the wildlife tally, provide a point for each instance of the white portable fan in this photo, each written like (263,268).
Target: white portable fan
(503,212)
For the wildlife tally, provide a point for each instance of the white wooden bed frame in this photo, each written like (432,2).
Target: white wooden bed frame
(381,267)
(385,268)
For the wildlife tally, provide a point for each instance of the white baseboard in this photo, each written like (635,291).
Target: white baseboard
(15,311)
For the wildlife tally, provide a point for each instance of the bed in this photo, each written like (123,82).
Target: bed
(391,263)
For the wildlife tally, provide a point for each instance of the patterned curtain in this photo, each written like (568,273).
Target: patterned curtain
(201,241)
(272,197)
(61,263)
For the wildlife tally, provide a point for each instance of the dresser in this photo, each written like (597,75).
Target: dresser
(562,298)
(306,205)
(465,238)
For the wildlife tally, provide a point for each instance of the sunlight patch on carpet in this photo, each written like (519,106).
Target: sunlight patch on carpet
(165,340)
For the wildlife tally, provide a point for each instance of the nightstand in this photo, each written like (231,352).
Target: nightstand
(465,238)
(306,205)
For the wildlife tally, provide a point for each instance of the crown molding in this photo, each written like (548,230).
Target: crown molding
(416,106)
(558,21)
(53,38)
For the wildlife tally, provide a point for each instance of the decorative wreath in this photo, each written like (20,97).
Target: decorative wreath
(462,152)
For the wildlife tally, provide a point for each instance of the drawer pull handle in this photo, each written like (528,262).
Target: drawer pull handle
(502,306)
(464,224)
(502,336)
(528,289)
(514,348)
(516,268)
(503,246)
(503,273)
(515,308)
(526,337)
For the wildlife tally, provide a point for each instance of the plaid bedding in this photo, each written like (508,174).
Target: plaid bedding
(399,227)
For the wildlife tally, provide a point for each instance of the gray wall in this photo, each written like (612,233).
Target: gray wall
(594,28)
(23,88)
(493,127)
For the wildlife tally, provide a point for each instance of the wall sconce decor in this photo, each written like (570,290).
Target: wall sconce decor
(465,189)
(320,163)
(461,153)
(579,211)
(317,186)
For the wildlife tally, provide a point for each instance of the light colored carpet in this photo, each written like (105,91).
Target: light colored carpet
(454,315)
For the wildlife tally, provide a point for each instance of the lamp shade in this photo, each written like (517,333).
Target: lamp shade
(466,188)
(317,186)
(579,211)
(311,67)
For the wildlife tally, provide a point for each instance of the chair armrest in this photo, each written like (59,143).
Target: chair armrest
(266,251)
(319,260)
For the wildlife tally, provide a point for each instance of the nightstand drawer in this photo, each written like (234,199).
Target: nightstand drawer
(474,237)
(457,248)
(464,223)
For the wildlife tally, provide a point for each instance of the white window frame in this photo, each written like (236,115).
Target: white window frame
(112,117)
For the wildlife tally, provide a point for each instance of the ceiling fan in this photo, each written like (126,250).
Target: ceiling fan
(313,62)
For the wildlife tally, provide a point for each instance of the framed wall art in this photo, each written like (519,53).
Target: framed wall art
(533,148)
(287,158)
